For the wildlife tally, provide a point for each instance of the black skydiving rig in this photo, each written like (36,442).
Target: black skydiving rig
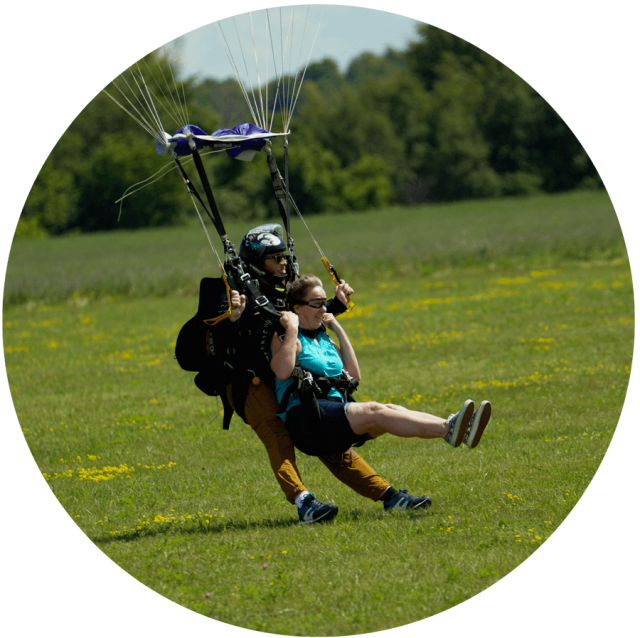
(189,140)
(190,143)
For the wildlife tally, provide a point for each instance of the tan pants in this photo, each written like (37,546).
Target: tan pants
(260,411)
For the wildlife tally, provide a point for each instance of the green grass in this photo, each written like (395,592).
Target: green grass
(387,243)
(125,442)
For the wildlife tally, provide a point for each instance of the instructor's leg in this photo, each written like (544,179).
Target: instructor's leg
(260,411)
(355,472)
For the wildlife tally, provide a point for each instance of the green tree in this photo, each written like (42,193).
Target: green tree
(492,133)
(117,164)
(368,66)
(100,156)
(52,202)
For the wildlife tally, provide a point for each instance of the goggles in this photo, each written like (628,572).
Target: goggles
(312,303)
(277,257)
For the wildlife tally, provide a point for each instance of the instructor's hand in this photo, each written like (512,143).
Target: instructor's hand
(289,321)
(238,304)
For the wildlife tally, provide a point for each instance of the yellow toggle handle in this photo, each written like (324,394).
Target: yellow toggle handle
(334,275)
(215,320)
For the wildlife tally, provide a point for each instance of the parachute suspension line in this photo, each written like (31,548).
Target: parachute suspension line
(206,232)
(255,56)
(306,66)
(266,72)
(290,48)
(232,61)
(286,178)
(181,114)
(152,107)
(323,258)
(184,97)
(214,321)
(275,67)
(193,193)
(295,81)
(139,118)
(253,95)
(143,184)
(146,113)
(294,264)
(165,170)
(148,98)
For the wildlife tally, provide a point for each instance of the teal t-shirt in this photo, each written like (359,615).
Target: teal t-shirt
(320,358)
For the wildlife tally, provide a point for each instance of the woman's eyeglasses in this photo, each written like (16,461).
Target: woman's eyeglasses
(313,303)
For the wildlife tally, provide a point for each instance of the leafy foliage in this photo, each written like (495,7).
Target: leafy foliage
(440,121)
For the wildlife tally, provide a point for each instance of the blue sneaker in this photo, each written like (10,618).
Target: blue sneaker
(479,422)
(458,424)
(404,501)
(312,511)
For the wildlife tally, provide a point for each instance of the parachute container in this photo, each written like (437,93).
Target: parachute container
(240,142)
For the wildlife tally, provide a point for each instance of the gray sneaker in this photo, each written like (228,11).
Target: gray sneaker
(479,422)
(458,424)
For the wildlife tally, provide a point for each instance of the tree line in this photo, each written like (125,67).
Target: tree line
(440,121)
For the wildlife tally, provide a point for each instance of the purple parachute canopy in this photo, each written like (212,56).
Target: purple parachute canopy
(241,142)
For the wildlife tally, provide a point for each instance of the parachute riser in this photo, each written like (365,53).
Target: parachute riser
(281,191)
(215,213)
(295,267)
(233,270)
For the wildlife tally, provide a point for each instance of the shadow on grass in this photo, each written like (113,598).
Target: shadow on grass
(200,526)
(197,527)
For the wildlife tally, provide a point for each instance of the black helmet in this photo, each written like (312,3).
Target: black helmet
(258,243)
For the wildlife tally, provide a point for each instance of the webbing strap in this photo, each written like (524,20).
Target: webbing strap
(243,280)
(279,190)
(190,187)
(215,213)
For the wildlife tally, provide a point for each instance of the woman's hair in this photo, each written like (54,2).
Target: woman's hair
(297,290)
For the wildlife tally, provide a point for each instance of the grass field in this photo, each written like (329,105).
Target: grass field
(387,243)
(125,440)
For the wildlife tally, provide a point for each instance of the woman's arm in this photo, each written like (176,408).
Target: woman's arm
(346,350)
(285,351)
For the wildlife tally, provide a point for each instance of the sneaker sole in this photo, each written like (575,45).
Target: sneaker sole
(466,418)
(484,416)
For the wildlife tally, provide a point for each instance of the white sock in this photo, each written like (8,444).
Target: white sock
(301,497)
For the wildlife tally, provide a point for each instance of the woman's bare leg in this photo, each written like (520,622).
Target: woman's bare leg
(376,419)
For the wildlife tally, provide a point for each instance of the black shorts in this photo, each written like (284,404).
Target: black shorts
(332,435)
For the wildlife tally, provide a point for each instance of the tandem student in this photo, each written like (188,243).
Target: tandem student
(326,421)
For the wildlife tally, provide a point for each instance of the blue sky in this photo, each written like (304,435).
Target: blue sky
(343,34)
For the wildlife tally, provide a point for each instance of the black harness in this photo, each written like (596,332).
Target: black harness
(310,387)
